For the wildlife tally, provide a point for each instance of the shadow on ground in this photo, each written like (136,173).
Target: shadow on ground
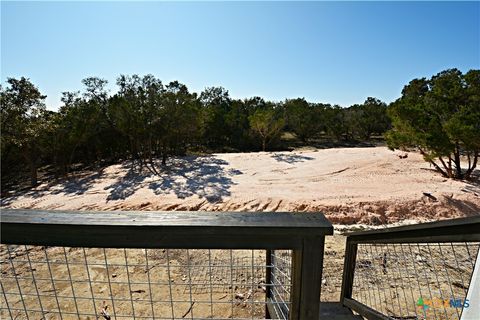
(290,158)
(473,185)
(468,208)
(128,184)
(77,185)
(204,177)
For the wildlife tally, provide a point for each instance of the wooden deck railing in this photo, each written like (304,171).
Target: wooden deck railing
(421,271)
(302,233)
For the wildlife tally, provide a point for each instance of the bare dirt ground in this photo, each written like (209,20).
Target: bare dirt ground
(350,185)
(356,188)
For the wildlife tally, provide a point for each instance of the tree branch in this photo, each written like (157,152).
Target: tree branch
(437,167)
(474,165)
(447,169)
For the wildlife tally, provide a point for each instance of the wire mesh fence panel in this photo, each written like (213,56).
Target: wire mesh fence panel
(97,283)
(281,280)
(415,280)
(332,268)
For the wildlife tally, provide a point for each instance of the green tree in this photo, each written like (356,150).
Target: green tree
(23,120)
(336,122)
(77,125)
(368,118)
(238,123)
(136,112)
(216,105)
(303,118)
(266,124)
(181,121)
(441,118)
(85,126)
(236,120)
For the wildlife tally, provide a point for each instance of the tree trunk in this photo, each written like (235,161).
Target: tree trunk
(32,164)
(33,174)
(60,166)
(437,167)
(458,165)
(72,154)
(473,166)
(164,156)
(164,159)
(448,169)
(264,143)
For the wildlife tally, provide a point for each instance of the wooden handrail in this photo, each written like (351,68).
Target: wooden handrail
(303,233)
(462,229)
(454,230)
(186,230)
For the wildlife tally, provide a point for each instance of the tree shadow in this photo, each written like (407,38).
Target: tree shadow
(204,177)
(127,185)
(473,184)
(68,186)
(290,158)
(466,207)
(5,201)
(76,186)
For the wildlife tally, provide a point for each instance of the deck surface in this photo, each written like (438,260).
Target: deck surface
(335,311)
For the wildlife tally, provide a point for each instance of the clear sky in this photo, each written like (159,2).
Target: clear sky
(335,52)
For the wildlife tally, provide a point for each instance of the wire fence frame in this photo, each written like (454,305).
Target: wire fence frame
(115,285)
(281,279)
(415,280)
(77,283)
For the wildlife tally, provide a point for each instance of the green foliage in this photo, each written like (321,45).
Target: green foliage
(303,118)
(336,122)
(23,120)
(145,120)
(440,117)
(180,119)
(369,118)
(266,124)
(236,120)
(216,104)
(136,113)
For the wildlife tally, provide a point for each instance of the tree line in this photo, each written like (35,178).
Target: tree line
(146,120)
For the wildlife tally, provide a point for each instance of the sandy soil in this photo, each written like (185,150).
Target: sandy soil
(350,185)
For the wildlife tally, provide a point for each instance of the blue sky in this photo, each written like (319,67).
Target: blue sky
(335,52)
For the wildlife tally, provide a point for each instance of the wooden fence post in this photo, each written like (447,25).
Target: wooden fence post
(348,270)
(268,281)
(307,266)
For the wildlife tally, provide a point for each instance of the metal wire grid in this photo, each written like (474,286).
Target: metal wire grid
(415,281)
(281,280)
(97,283)
(332,272)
